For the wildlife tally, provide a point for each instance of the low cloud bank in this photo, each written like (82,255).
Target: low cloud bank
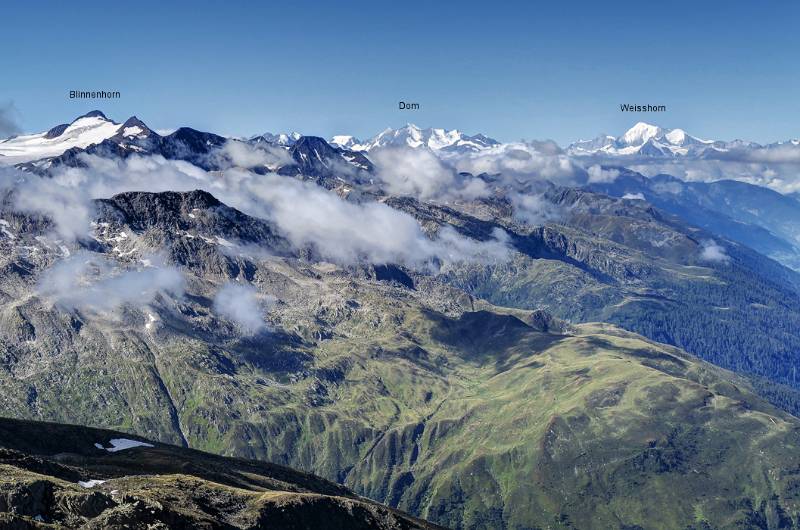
(524,161)
(777,168)
(306,214)
(346,232)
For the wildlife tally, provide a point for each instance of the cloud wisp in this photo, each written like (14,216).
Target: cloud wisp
(598,173)
(8,120)
(239,154)
(242,305)
(89,282)
(713,252)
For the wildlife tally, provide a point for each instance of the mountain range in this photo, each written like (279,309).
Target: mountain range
(452,141)
(91,128)
(642,140)
(650,141)
(511,353)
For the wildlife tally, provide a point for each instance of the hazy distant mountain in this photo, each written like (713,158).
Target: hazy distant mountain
(452,141)
(644,140)
(758,217)
(282,139)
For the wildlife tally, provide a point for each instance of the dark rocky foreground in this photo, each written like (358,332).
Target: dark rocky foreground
(55,476)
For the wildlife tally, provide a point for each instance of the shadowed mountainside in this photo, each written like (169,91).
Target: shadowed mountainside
(65,476)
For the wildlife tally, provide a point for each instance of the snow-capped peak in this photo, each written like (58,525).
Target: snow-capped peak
(644,139)
(282,139)
(433,138)
(640,133)
(676,136)
(134,128)
(91,128)
(345,141)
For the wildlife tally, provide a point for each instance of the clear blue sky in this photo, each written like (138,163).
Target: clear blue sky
(510,69)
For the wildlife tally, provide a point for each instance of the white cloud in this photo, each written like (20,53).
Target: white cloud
(713,252)
(523,161)
(533,209)
(634,196)
(241,304)
(456,248)
(598,174)
(91,282)
(244,155)
(420,173)
(66,206)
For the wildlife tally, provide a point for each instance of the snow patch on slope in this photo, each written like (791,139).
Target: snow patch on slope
(120,444)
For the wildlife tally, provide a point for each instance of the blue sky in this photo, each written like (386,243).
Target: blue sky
(510,69)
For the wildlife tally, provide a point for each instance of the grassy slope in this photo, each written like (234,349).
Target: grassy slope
(515,428)
(598,429)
